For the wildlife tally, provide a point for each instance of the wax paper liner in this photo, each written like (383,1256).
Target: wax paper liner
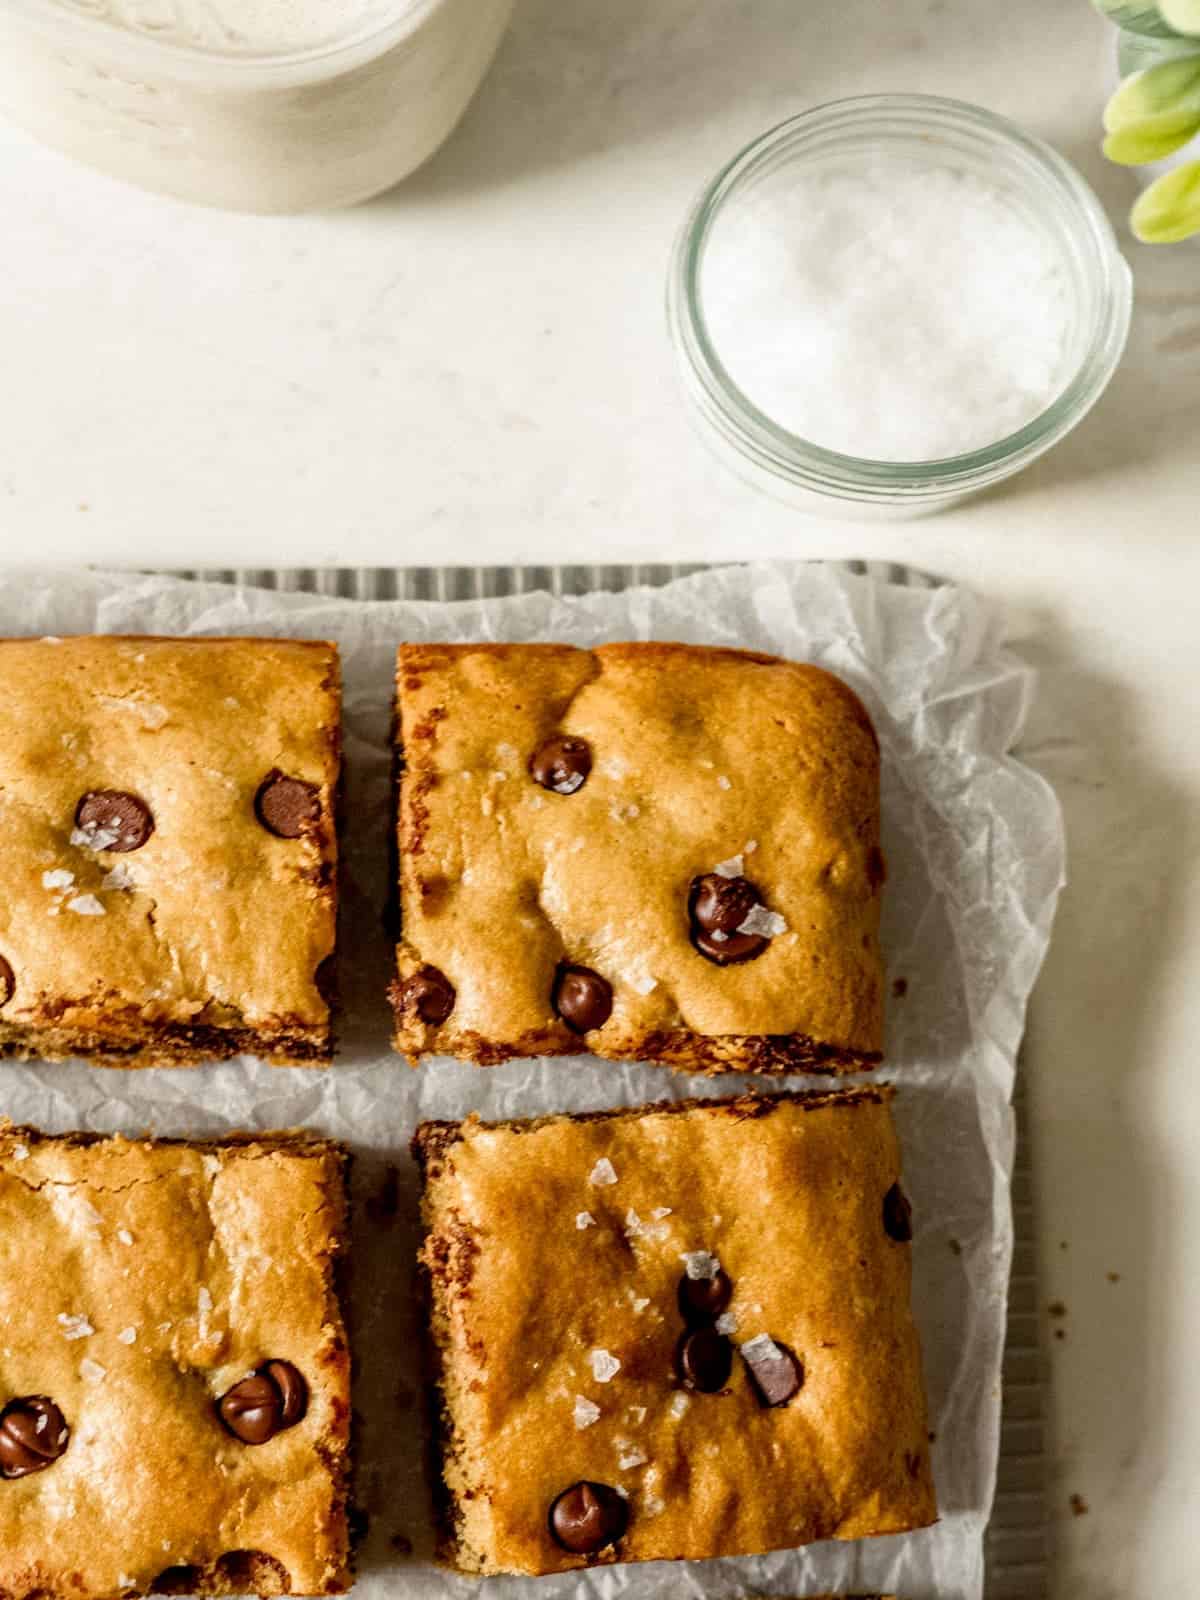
(975,850)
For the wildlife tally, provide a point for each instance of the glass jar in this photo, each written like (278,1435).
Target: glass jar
(941,133)
(271,105)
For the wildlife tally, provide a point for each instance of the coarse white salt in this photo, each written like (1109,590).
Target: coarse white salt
(92,1370)
(888,307)
(124,1235)
(128,1335)
(60,878)
(85,905)
(586,1412)
(605,1366)
(603,1172)
(584,1219)
(726,1323)
(735,867)
(761,1348)
(759,920)
(679,1404)
(700,1265)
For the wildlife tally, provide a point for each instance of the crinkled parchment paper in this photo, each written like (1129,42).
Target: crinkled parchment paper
(975,851)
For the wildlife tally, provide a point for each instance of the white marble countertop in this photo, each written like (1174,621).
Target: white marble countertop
(475,369)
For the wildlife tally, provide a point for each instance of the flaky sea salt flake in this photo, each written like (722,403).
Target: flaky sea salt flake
(92,1370)
(700,1264)
(630,1459)
(643,983)
(761,1348)
(735,867)
(74,1325)
(85,905)
(124,1235)
(727,1323)
(20,1152)
(761,921)
(679,1404)
(723,782)
(605,1366)
(586,1412)
(119,877)
(584,1219)
(603,1172)
(128,1336)
(92,836)
(60,878)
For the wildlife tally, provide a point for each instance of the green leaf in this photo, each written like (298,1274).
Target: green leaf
(1145,19)
(1155,112)
(1182,15)
(1170,208)
(1131,147)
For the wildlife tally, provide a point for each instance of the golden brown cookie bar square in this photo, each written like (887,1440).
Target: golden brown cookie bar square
(174,1374)
(651,852)
(673,1331)
(168,834)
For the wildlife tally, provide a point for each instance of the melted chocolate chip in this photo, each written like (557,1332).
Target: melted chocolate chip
(702,1300)
(287,807)
(717,907)
(704,1360)
(273,1397)
(587,1516)
(897,1215)
(582,998)
(430,994)
(775,1372)
(8,982)
(33,1435)
(561,764)
(114,820)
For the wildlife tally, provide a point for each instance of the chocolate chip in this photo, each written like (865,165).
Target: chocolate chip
(774,1371)
(717,907)
(582,998)
(702,1300)
(273,1397)
(897,1215)
(325,981)
(704,1360)
(561,764)
(293,1391)
(587,1516)
(430,994)
(8,982)
(33,1434)
(177,1580)
(114,820)
(287,807)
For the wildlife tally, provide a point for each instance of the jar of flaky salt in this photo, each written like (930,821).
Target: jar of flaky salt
(892,302)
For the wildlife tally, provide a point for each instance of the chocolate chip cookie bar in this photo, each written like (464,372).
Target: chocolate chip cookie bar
(174,1375)
(168,834)
(654,852)
(674,1331)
